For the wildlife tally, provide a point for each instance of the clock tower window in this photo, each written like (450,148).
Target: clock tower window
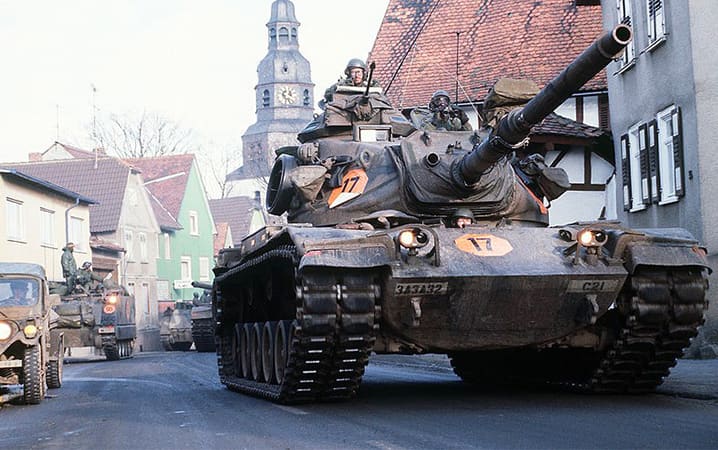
(265,98)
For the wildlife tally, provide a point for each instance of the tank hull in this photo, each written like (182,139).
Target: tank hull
(524,294)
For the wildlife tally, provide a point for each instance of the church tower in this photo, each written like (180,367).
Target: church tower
(284,98)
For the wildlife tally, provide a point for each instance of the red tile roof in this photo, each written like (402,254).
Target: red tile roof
(105,183)
(221,236)
(236,211)
(166,178)
(75,152)
(498,38)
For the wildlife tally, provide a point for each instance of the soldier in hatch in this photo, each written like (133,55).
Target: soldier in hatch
(462,218)
(356,75)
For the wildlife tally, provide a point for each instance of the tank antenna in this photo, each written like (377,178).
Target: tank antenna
(411,46)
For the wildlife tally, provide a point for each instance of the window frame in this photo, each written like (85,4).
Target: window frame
(638,183)
(203,268)
(168,249)
(47,227)
(627,58)
(15,223)
(655,30)
(129,246)
(142,241)
(193,223)
(76,229)
(669,163)
(186,261)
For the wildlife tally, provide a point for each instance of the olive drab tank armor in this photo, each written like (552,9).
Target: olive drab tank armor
(369,262)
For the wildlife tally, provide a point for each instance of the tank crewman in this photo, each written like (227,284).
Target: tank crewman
(19,295)
(356,74)
(462,217)
(85,277)
(446,116)
(69,266)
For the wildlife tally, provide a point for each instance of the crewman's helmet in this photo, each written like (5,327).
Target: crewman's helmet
(438,99)
(463,213)
(355,63)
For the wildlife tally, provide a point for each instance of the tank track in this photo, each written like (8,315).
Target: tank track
(203,335)
(115,349)
(658,313)
(329,341)
(665,310)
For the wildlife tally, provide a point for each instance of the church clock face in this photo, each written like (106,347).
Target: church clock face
(287,95)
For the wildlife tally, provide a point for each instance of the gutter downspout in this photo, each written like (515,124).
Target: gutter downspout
(67,219)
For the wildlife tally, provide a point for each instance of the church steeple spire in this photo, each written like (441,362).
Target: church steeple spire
(284,95)
(283,26)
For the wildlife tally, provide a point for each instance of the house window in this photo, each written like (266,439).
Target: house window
(131,287)
(142,238)
(129,246)
(145,297)
(203,268)
(193,223)
(656,22)
(168,251)
(15,220)
(624,16)
(652,160)
(639,186)
(670,155)
(47,224)
(186,268)
(77,233)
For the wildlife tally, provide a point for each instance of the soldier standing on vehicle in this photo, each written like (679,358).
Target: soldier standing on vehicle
(355,76)
(69,266)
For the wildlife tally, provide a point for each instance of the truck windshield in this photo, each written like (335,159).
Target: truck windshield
(18,292)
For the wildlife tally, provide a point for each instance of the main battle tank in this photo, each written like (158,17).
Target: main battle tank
(370,262)
(202,320)
(176,327)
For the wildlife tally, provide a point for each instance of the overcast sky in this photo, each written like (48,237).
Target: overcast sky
(192,62)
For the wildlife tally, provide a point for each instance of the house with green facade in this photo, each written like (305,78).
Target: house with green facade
(185,246)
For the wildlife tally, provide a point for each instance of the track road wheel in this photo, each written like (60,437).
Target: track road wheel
(268,343)
(244,351)
(281,347)
(255,349)
(237,349)
(33,382)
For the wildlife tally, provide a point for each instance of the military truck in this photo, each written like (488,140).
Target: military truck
(370,261)
(202,319)
(100,317)
(31,353)
(176,327)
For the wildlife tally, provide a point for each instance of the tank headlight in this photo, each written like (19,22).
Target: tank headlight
(109,309)
(413,238)
(30,331)
(111,299)
(5,330)
(592,238)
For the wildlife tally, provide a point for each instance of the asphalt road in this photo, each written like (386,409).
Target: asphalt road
(174,400)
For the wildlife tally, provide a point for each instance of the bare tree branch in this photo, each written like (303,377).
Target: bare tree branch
(138,137)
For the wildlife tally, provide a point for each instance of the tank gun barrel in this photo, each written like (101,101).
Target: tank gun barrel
(200,285)
(513,128)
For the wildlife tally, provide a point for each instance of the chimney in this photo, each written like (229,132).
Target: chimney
(34,156)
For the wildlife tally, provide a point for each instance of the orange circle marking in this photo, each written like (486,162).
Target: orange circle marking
(483,245)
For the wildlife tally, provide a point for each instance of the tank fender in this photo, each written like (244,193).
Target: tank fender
(331,247)
(669,247)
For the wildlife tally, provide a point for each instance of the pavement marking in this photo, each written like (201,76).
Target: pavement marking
(291,409)
(120,380)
